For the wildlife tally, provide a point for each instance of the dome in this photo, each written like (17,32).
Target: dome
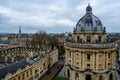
(89,22)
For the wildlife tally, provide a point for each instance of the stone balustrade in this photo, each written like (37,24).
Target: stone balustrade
(90,45)
(92,70)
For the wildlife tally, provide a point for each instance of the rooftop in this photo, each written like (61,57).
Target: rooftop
(12,68)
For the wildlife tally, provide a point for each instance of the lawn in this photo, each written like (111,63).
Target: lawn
(59,78)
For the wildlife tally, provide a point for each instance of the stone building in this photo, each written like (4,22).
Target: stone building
(88,55)
(26,69)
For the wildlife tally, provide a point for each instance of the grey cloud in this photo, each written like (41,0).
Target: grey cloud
(4,19)
(55,15)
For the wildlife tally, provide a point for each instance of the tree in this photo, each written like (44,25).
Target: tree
(42,39)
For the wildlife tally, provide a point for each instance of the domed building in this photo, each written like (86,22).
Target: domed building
(88,55)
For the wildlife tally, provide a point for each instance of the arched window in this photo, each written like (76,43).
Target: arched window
(111,77)
(68,73)
(88,77)
(100,77)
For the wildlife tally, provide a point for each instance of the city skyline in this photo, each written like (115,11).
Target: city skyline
(54,16)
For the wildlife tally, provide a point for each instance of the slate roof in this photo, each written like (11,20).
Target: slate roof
(13,68)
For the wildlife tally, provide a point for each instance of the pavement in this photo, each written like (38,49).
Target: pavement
(53,71)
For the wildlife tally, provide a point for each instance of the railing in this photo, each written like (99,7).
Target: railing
(89,45)
(84,31)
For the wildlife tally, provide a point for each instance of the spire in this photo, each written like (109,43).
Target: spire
(89,9)
(19,31)
(88,4)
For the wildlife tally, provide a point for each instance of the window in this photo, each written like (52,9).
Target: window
(77,54)
(69,61)
(88,65)
(88,77)
(76,75)
(108,56)
(88,56)
(88,39)
(100,66)
(78,38)
(68,73)
(100,77)
(99,38)
(108,64)
(111,77)
(77,62)
(70,54)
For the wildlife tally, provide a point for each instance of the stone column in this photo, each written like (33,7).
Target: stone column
(103,60)
(80,62)
(72,58)
(97,60)
(93,61)
(83,57)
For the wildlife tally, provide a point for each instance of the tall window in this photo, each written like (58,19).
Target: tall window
(88,56)
(111,77)
(108,56)
(78,38)
(88,77)
(68,73)
(88,39)
(100,77)
(99,38)
(76,75)
(70,54)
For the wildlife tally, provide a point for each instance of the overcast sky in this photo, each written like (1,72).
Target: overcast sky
(55,16)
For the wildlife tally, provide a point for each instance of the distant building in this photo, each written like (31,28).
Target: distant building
(88,54)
